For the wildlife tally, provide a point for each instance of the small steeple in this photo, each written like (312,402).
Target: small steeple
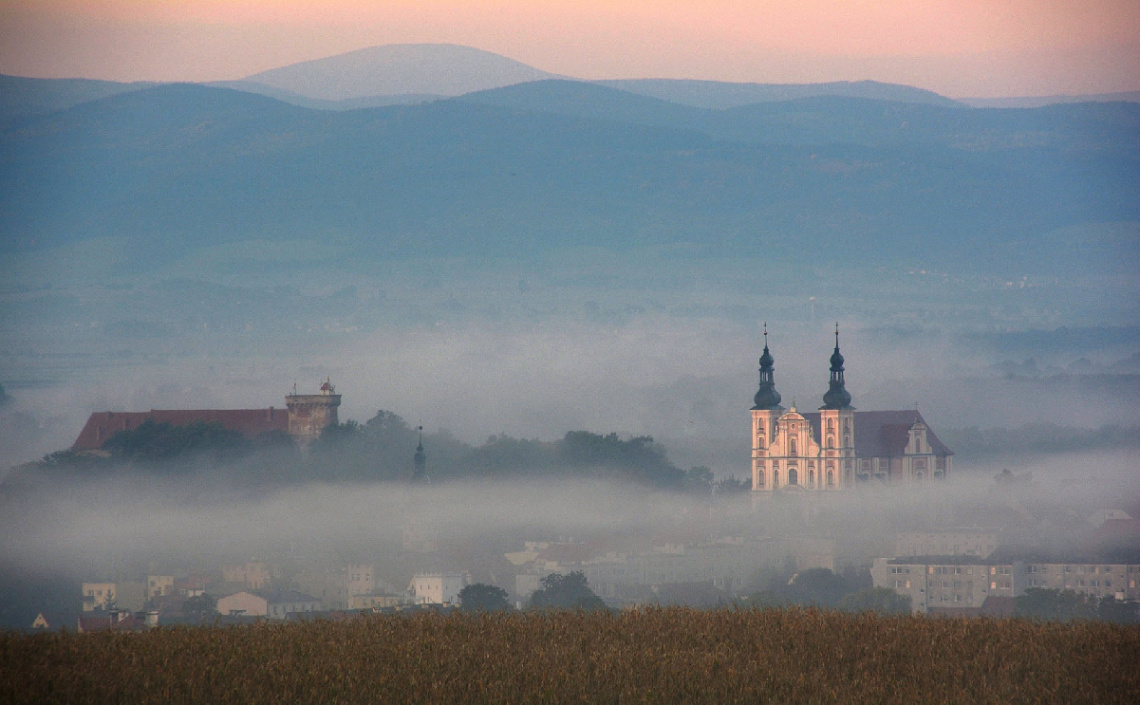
(419,474)
(767,397)
(837,396)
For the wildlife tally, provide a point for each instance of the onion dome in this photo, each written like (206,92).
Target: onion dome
(837,396)
(767,397)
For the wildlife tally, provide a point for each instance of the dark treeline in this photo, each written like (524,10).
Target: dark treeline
(381,449)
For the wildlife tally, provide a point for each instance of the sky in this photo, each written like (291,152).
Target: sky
(960,48)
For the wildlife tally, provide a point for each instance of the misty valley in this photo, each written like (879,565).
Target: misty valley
(544,305)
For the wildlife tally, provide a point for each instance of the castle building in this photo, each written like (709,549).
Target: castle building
(309,414)
(837,447)
(303,418)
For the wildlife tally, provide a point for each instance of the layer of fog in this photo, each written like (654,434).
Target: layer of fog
(686,381)
(88,527)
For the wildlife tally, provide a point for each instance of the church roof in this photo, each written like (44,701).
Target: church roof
(101,425)
(884,434)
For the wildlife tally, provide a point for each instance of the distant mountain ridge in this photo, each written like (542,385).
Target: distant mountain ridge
(720,95)
(551,164)
(399,69)
(22,97)
(412,74)
(1043,100)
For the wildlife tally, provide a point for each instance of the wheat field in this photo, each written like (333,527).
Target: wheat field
(649,655)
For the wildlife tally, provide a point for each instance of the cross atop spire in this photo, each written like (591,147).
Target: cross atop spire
(767,397)
(837,396)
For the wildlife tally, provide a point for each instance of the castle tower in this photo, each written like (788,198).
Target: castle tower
(837,428)
(310,414)
(764,414)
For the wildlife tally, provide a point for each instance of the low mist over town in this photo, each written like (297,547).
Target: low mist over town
(365,323)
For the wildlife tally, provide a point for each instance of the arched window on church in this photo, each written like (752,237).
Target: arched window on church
(775,478)
(846,441)
(831,441)
(831,424)
(830,478)
(811,479)
(792,448)
(793,476)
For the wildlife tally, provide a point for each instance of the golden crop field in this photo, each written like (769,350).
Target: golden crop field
(651,655)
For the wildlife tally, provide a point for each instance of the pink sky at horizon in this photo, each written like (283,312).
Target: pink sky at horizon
(984,48)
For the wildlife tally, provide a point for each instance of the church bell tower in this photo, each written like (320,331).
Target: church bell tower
(837,428)
(765,412)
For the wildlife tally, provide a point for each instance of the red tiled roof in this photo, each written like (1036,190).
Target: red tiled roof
(250,423)
(126,623)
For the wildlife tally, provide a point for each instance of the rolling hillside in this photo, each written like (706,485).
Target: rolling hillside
(551,164)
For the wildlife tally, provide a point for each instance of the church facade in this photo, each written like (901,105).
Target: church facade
(837,448)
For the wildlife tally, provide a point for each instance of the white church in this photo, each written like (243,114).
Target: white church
(837,448)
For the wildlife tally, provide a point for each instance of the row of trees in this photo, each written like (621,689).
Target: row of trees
(820,587)
(382,449)
(1067,605)
(558,591)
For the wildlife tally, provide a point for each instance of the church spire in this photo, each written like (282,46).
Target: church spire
(767,397)
(419,475)
(837,396)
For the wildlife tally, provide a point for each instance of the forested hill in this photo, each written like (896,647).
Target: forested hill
(528,168)
(380,449)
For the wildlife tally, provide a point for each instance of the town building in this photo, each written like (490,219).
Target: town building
(304,417)
(159,586)
(837,447)
(252,574)
(438,588)
(98,596)
(1118,580)
(949,584)
(274,605)
(336,587)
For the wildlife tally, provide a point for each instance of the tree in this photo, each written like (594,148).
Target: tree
(639,459)
(1111,609)
(699,480)
(731,485)
(876,599)
(154,442)
(480,597)
(568,592)
(816,586)
(1055,605)
(200,607)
